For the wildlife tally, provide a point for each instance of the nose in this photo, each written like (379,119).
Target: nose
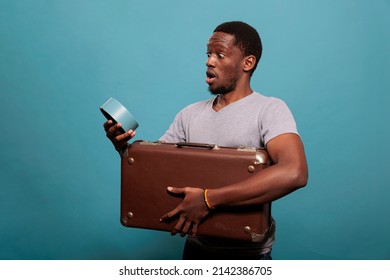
(210,62)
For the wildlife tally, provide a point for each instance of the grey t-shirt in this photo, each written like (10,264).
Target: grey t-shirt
(251,122)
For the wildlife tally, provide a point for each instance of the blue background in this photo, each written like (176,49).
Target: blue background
(61,60)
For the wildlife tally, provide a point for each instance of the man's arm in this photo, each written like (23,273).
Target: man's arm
(288,173)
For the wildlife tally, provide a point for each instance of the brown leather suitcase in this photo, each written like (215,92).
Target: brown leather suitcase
(148,168)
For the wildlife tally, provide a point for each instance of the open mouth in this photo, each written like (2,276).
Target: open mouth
(210,76)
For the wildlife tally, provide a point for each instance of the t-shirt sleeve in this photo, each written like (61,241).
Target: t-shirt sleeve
(276,120)
(176,131)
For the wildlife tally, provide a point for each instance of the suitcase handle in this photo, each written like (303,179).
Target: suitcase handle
(195,145)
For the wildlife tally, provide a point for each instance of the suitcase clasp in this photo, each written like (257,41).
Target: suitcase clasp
(261,158)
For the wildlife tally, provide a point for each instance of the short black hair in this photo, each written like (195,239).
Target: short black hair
(246,38)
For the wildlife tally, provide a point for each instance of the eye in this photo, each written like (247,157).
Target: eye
(208,54)
(221,55)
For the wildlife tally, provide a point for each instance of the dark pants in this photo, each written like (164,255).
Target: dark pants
(192,252)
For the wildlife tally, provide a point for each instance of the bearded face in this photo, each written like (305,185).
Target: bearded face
(223,63)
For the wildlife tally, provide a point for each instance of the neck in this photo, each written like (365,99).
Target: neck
(224,100)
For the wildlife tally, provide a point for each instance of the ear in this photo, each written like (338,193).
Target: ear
(249,62)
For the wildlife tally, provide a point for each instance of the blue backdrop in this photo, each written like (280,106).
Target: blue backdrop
(60,60)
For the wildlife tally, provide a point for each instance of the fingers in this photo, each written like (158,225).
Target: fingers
(108,124)
(115,133)
(186,228)
(124,137)
(176,190)
(169,215)
(191,210)
(178,209)
(183,226)
(178,226)
(194,229)
(112,130)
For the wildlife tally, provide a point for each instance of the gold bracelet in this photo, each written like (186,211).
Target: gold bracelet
(206,200)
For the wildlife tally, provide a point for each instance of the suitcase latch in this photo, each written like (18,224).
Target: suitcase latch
(260,158)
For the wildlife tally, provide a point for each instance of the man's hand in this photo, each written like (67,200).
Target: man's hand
(116,135)
(192,210)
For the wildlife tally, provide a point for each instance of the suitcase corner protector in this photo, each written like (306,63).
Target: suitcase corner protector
(124,222)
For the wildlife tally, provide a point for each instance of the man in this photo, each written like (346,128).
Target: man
(236,116)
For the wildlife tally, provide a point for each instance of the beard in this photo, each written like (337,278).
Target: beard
(230,86)
(224,88)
